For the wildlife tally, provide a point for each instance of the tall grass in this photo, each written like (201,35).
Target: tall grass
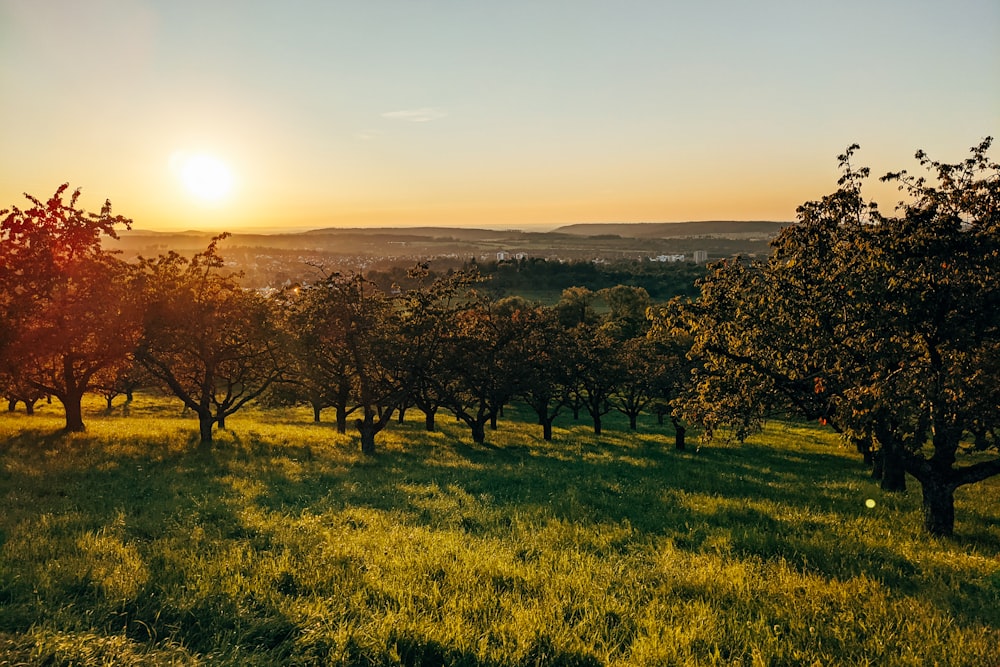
(126,545)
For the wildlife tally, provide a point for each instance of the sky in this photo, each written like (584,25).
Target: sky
(245,114)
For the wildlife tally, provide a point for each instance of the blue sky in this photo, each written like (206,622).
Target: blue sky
(511,114)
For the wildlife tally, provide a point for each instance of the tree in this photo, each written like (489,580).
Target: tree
(70,307)
(885,327)
(941,285)
(597,373)
(208,341)
(480,372)
(17,390)
(372,336)
(124,380)
(639,359)
(670,376)
(626,318)
(427,314)
(320,369)
(546,350)
(575,307)
(353,328)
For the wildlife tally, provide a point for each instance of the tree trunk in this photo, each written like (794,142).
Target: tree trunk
(367,428)
(429,420)
(109,400)
(893,477)
(887,467)
(11,404)
(74,412)
(939,506)
(402,413)
(547,430)
(864,447)
(478,432)
(341,419)
(317,409)
(679,432)
(659,419)
(221,421)
(632,419)
(205,424)
(877,465)
(597,424)
(29,407)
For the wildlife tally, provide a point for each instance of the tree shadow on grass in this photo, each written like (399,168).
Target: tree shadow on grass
(118,502)
(718,498)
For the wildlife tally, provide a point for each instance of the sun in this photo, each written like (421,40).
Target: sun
(204,176)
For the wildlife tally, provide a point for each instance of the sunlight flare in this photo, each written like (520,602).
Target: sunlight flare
(204,176)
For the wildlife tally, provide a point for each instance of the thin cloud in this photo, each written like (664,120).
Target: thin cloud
(421,115)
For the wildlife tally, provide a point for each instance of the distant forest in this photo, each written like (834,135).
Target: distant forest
(532,276)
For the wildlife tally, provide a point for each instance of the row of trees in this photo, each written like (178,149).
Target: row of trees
(886,328)
(78,319)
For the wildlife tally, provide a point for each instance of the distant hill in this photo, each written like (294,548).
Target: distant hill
(661,230)
(351,247)
(463,233)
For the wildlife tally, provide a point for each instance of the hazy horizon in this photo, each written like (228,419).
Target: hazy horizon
(538,228)
(254,115)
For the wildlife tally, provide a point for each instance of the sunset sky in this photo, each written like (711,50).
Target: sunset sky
(222,115)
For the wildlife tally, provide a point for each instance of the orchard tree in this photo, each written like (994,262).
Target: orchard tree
(481,371)
(627,306)
(16,390)
(211,343)
(576,307)
(372,336)
(669,377)
(885,327)
(320,369)
(640,364)
(121,381)
(547,351)
(427,314)
(941,290)
(70,308)
(354,330)
(597,372)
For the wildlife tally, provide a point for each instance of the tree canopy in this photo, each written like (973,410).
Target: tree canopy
(70,308)
(886,327)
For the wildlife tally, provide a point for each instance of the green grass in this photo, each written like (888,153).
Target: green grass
(127,546)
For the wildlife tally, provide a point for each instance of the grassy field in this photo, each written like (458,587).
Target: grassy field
(283,546)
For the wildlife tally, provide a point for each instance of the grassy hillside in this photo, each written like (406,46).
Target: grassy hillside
(126,546)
